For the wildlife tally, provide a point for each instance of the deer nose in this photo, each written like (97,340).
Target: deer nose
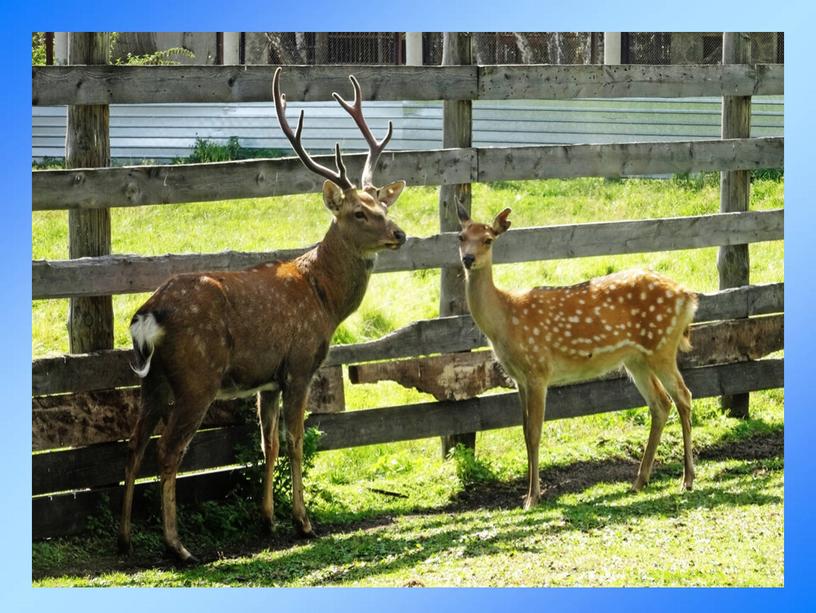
(468,260)
(400,236)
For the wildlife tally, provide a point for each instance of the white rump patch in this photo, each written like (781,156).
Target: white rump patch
(146,333)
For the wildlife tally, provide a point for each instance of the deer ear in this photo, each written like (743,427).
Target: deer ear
(501,224)
(462,214)
(388,195)
(333,197)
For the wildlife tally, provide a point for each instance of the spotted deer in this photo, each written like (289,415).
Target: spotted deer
(262,331)
(550,335)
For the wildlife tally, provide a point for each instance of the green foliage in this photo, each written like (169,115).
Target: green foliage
(470,470)
(38,48)
(205,151)
(251,457)
(48,163)
(162,57)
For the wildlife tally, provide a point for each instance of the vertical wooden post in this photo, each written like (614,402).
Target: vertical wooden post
(413,48)
(612,48)
(457,131)
(87,145)
(735,188)
(231,48)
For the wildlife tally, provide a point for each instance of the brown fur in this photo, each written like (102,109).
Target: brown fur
(547,335)
(264,331)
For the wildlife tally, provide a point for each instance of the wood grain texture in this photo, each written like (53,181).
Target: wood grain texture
(628,80)
(109,369)
(165,184)
(177,183)
(733,262)
(457,376)
(128,274)
(56,85)
(101,465)
(87,144)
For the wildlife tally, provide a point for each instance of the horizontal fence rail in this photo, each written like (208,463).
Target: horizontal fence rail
(129,274)
(55,85)
(165,184)
(110,369)
(87,418)
(104,464)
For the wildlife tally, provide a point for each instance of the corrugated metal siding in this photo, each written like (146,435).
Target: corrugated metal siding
(165,131)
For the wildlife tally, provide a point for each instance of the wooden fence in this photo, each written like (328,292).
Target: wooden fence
(84,405)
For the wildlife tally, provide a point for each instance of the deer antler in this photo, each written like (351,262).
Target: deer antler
(375,147)
(339,177)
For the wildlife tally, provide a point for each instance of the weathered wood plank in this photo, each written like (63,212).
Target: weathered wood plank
(408,422)
(127,274)
(629,159)
(87,144)
(457,376)
(102,465)
(628,80)
(65,514)
(164,184)
(457,131)
(109,369)
(735,188)
(104,416)
(55,85)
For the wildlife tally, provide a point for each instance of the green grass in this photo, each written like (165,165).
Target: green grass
(458,521)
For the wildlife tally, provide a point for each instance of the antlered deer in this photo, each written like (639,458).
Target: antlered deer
(546,335)
(264,330)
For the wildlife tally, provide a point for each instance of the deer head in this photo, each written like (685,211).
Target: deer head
(476,239)
(360,214)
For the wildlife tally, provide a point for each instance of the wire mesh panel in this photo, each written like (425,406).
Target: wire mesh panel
(325,47)
(694,47)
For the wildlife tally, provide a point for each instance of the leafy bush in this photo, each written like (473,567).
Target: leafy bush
(205,151)
(470,469)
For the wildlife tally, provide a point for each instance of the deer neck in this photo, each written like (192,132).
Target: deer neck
(486,302)
(339,273)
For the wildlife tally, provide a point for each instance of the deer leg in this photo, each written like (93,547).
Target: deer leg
(659,404)
(268,415)
(523,400)
(294,408)
(155,396)
(536,396)
(676,386)
(181,427)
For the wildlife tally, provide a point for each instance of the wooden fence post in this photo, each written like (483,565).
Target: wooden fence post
(735,188)
(457,131)
(87,145)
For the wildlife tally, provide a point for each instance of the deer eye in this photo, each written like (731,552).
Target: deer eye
(488,241)
(360,215)
(461,238)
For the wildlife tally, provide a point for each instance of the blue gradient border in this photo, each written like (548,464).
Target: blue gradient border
(419,15)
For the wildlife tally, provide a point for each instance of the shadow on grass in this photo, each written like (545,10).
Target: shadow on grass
(352,552)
